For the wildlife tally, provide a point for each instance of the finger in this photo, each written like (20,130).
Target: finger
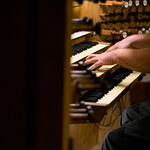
(95,65)
(90,56)
(112,48)
(116,46)
(89,61)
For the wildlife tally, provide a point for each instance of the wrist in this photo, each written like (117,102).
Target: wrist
(132,39)
(115,58)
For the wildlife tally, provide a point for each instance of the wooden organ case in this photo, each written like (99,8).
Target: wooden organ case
(35,79)
(93,116)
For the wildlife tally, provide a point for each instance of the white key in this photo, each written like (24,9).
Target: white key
(113,94)
(116,91)
(79,34)
(87,52)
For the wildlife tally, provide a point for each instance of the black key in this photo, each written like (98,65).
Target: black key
(90,99)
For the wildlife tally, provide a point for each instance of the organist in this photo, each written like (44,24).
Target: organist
(134,131)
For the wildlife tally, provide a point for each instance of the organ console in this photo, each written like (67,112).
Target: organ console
(92,107)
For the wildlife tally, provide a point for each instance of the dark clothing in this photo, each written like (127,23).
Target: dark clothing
(134,132)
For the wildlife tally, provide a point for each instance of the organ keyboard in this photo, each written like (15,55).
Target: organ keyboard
(117,91)
(90,48)
(118,82)
(79,34)
(84,46)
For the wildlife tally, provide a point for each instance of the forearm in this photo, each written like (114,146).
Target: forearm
(138,60)
(139,41)
(135,41)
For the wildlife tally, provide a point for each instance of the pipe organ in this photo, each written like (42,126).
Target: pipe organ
(50,100)
(100,95)
(126,17)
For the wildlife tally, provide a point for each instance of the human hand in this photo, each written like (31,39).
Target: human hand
(106,58)
(125,43)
